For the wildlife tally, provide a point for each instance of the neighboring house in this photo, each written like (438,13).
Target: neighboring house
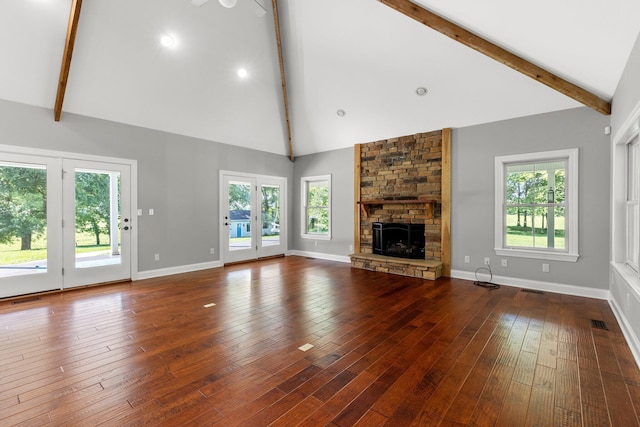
(239,223)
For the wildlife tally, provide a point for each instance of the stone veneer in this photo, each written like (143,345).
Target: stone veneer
(408,167)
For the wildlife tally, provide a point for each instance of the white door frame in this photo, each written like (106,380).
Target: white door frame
(74,276)
(51,278)
(223,229)
(133,165)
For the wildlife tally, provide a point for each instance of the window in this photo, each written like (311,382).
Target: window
(537,204)
(632,214)
(316,207)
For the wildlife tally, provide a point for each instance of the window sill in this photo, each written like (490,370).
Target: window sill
(549,256)
(316,236)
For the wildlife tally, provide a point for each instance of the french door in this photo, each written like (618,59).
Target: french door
(96,222)
(63,223)
(30,231)
(253,223)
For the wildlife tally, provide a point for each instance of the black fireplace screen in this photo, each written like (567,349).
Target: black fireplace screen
(399,240)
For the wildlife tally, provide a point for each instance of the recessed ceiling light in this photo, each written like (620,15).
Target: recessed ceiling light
(167,40)
(242,72)
(421,91)
(341,113)
(228,3)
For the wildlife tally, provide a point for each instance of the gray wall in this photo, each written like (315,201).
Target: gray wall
(624,285)
(338,164)
(472,224)
(628,91)
(177,176)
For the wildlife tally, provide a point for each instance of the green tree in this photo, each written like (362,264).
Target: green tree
(270,206)
(93,203)
(318,207)
(23,204)
(239,196)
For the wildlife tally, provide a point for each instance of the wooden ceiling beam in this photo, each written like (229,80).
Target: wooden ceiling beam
(276,21)
(72,28)
(491,50)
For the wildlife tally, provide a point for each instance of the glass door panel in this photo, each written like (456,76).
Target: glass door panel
(96,222)
(29,225)
(270,215)
(239,222)
(97,238)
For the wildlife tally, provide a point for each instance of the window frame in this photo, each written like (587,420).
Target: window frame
(570,253)
(632,201)
(304,185)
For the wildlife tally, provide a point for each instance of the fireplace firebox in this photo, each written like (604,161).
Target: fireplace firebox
(399,240)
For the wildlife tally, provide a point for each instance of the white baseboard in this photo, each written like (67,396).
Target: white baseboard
(176,270)
(318,255)
(537,285)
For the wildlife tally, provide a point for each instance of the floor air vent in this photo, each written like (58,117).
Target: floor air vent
(23,300)
(532,291)
(599,324)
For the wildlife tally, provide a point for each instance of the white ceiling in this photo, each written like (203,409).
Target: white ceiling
(356,55)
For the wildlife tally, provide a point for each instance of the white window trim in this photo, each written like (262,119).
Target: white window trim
(571,190)
(303,208)
(632,264)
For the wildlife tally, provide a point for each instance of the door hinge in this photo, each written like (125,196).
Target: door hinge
(63,271)
(63,223)
(62,173)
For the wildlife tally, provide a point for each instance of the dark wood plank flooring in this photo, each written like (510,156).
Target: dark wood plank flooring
(388,350)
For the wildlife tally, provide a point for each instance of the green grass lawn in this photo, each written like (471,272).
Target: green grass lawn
(523,236)
(11,254)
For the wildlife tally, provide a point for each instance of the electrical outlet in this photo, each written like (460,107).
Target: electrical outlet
(487,261)
(212,251)
(315,243)
(156,257)
(467,259)
(545,268)
(504,262)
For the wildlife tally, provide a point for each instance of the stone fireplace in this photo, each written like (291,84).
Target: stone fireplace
(399,181)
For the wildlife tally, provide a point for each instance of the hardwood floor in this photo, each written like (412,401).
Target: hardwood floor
(388,350)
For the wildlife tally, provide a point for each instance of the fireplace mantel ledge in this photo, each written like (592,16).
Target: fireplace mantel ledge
(428,202)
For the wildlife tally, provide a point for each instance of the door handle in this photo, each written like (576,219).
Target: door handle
(126,227)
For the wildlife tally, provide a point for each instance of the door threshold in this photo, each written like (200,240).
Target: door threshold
(35,296)
(246,261)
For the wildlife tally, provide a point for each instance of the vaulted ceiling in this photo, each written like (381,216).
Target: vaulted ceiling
(358,56)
